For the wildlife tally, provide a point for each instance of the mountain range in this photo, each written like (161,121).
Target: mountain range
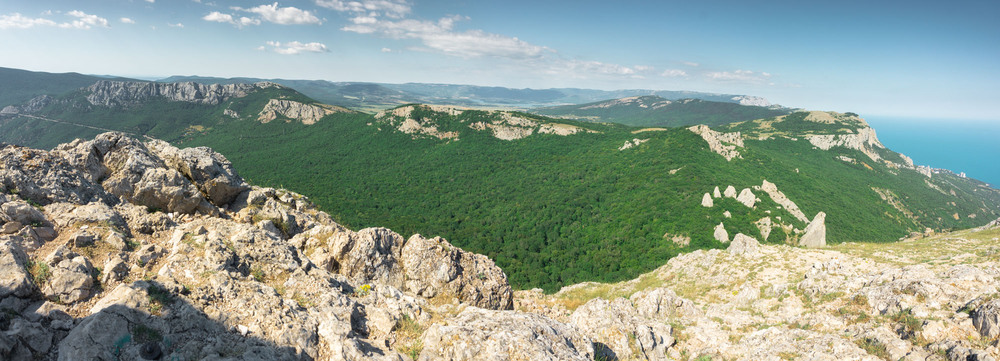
(552,201)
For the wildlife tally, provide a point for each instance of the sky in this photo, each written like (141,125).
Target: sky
(923,59)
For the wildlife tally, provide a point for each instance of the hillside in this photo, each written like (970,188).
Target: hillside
(18,86)
(552,201)
(112,248)
(655,111)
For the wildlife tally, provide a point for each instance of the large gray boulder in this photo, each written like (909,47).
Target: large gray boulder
(478,334)
(42,178)
(435,268)
(744,245)
(986,319)
(210,171)
(620,332)
(815,235)
(14,279)
(72,276)
(369,255)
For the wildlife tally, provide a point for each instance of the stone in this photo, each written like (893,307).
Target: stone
(14,278)
(986,319)
(725,144)
(730,192)
(716,193)
(72,277)
(815,234)
(620,333)
(764,225)
(479,334)
(210,171)
(778,197)
(720,233)
(114,270)
(11,227)
(706,201)
(744,245)
(82,239)
(747,197)
(369,255)
(45,178)
(435,267)
(23,213)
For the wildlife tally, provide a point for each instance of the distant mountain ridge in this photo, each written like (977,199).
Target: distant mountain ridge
(380,96)
(657,111)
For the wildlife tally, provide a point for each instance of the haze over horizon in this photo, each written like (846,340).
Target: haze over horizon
(914,59)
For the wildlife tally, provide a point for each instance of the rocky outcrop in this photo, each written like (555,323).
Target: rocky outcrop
(815,234)
(706,201)
(293,110)
(864,140)
(725,144)
(632,143)
(427,120)
(478,334)
(716,193)
(751,100)
(434,268)
(778,197)
(125,94)
(744,245)
(720,233)
(986,319)
(730,192)
(747,198)
(764,225)
(620,333)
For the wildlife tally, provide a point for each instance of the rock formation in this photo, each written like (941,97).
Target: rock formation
(706,201)
(815,234)
(747,197)
(124,94)
(502,124)
(720,233)
(715,193)
(778,197)
(305,113)
(725,144)
(864,140)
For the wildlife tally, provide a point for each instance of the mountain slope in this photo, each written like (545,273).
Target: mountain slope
(18,86)
(655,111)
(554,201)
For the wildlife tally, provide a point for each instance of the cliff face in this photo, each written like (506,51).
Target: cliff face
(123,94)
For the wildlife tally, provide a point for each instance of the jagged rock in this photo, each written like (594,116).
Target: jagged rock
(747,197)
(764,225)
(436,268)
(31,334)
(986,319)
(114,270)
(725,144)
(72,277)
(11,227)
(720,233)
(82,239)
(621,334)
(479,334)
(306,113)
(727,214)
(14,278)
(124,94)
(716,193)
(778,197)
(40,177)
(662,304)
(730,192)
(815,234)
(369,255)
(744,245)
(706,201)
(23,213)
(91,214)
(210,171)
(864,140)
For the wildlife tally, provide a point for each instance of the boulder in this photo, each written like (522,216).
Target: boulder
(720,233)
(716,193)
(764,225)
(369,255)
(210,171)
(662,303)
(815,234)
(986,319)
(744,245)
(434,268)
(40,177)
(730,192)
(14,278)
(479,334)
(706,201)
(72,276)
(23,213)
(747,197)
(619,333)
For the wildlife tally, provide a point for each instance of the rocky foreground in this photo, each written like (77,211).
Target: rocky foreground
(116,249)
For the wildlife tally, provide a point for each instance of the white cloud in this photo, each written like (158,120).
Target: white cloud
(178,25)
(283,15)
(673,73)
(127,21)
(151,1)
(439,36)
(219,17)
(18,21)
(295,47)
(84,21)
(739,75)
(395,9)
(691,64)
(386,50)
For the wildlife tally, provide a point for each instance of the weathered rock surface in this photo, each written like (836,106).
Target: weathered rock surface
(620,333)
(305,113)
(123,94)
(725,144)
(720,233)
(986,319)
(815,234)
(14,278)
(744,245)
(478,334)
(747,197)
(730,192)
(706,201)
(778,197)
(434,267)
(864,140)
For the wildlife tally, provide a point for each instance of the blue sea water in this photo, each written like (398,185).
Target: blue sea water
(970,146)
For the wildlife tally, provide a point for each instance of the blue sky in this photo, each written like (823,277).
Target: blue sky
(897,58)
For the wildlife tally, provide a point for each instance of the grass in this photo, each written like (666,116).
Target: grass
(39,272)
(873,347)
(408,332)
(143,334)
(158,298)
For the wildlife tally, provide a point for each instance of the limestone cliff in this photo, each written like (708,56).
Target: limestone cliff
(124,94)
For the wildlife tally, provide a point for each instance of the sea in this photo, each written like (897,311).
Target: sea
(969,146)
